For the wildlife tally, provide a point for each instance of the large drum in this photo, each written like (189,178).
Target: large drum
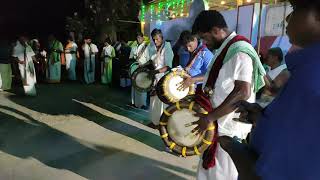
(176,126)
(167,87)
(142,81)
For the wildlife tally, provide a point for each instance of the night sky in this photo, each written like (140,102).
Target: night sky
(36,17)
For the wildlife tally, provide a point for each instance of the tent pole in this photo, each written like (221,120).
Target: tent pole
(259,28)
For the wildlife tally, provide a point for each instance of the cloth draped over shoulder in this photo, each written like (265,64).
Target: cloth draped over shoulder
(56,48)
(258,69)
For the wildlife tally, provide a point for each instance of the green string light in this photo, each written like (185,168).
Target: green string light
(177,6)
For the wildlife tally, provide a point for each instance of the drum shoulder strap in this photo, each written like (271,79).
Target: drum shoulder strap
(194,56)
(140,53)
(214,72)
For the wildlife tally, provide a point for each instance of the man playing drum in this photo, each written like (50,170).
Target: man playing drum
(200,58)
(240,76)
(161,55)
(139,54)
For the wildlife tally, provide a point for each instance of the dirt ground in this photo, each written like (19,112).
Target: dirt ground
(75,131)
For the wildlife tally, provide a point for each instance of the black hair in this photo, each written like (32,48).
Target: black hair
(139,34)
(187,36)
(70,38)
(206,20)
(276,52)
(87,36)
(156,32)
(306,4)
(108,40)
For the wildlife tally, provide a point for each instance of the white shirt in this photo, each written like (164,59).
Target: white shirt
(238,68)
(107,51)
(136,50)
(70,56)
(273,74)
(165,58)
(18,52)
(86,50)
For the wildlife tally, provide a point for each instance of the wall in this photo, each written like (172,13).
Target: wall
(247,24)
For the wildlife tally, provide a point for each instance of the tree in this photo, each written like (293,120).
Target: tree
(102,17)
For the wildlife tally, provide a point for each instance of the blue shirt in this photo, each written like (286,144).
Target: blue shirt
(200,66)
(287,135)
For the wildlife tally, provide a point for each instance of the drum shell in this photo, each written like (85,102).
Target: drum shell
(160,91)
(133,67)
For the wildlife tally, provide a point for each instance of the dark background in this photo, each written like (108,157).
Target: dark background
(36,18)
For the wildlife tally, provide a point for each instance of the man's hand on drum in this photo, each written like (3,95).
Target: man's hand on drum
(187,82)
(202,123)
(249,112)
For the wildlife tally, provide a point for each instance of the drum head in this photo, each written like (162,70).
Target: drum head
(178,130)
(167,87)
(172,88)
(175,129)
(143,81)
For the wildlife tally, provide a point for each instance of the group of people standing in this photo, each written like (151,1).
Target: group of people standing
(31,62)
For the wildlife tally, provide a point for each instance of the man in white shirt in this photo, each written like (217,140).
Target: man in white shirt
(161,55)
(24,55)
(276,77)
(139,54)
(240,76)
(90,51)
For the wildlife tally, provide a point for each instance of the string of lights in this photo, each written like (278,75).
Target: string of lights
(162,10)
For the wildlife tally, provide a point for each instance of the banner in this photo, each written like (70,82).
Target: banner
(276,19)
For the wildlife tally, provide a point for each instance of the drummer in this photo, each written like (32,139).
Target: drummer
(200,58)
(240,76)
(139,54)
(161,55)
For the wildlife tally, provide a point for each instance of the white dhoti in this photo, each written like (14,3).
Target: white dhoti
(139,99)
(89,70)
(71,62)
(224,168)
(28,77)
(5,76)
(156,108)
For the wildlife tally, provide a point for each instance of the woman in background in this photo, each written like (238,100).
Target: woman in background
(108,53)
